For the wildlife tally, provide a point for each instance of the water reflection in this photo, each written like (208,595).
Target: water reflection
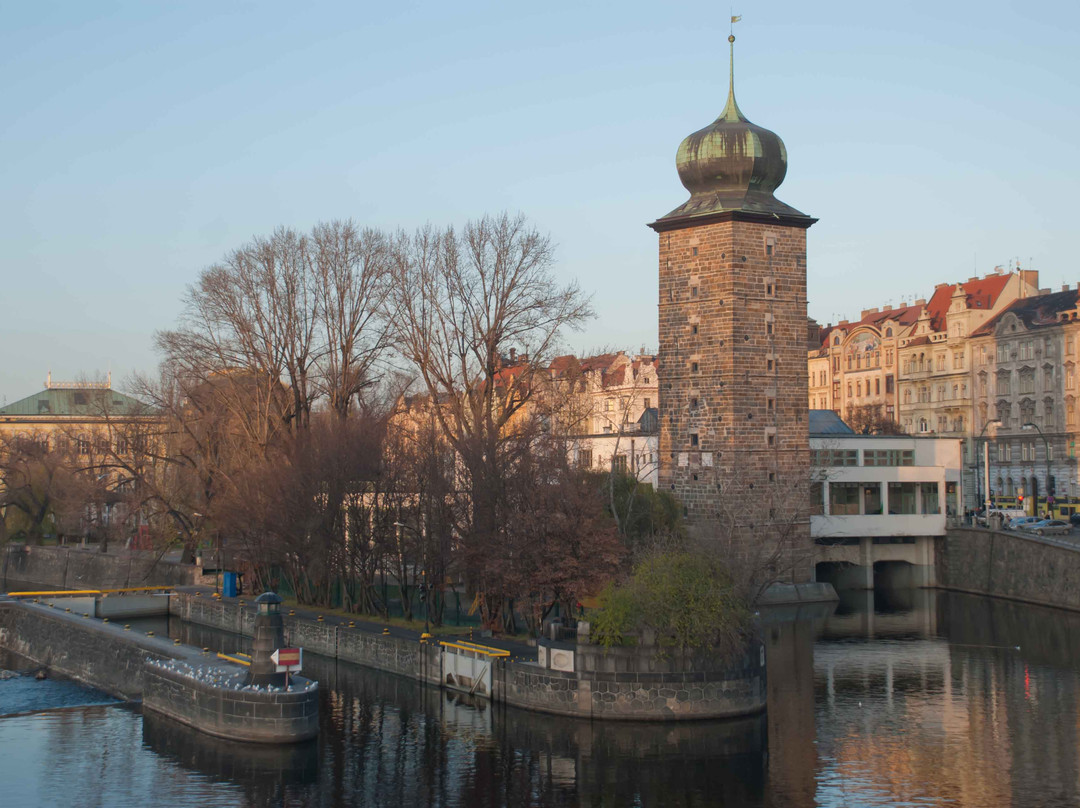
(913,698)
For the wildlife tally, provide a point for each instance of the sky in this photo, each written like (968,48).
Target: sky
(143,141)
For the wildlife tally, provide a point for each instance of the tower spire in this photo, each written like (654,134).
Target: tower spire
(731,110)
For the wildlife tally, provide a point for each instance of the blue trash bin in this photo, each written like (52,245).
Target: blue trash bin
(228,585)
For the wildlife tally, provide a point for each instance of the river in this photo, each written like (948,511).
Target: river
(906,698)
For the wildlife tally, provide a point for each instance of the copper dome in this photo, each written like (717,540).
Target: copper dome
(732,165)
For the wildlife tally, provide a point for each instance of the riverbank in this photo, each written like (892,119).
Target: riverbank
(566,681)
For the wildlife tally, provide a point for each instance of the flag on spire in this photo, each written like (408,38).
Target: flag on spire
(735,18)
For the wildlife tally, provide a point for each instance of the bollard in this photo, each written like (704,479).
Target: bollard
(149,634)
(67,608)
(385,631)
(319,618)
(176,642)
(86,614)
(105,620)
(352,624)
(292,612)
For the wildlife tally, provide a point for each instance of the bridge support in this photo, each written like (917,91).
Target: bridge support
(866,562)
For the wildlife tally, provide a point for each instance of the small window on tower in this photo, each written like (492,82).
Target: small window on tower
(693,403)
(769,365)
(770,404)
(693,291)
(693,367)
(768,329)
(695,250)
(693,439)
(770,440)
(769,289)
(770,245)
(693,328)
(772,476)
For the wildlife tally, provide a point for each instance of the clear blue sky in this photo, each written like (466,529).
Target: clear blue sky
(142,141)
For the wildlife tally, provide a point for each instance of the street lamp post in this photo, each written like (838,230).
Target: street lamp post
(1046,446)
(423,576)
(986,463)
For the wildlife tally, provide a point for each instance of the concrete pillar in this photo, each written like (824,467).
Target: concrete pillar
(866,562)
(269,636)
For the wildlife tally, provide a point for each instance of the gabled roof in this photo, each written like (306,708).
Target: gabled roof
(1034,312)
(904,315)
(86,402)
(981,294)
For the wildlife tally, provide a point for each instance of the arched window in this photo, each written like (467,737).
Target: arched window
(836,340)
(907,396)
(888,332)
(1008,486)
(858,389)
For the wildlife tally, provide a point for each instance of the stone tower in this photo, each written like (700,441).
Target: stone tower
(733,387)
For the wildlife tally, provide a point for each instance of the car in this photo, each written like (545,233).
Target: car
(1047,527)
(1019,522)
(1074,519)
(1002,514)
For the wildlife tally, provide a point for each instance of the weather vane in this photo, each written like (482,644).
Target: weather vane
(731,29)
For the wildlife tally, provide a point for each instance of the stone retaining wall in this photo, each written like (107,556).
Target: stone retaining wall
(1009,565)
(75,568)
(620,684)
(105,656)
(236,714)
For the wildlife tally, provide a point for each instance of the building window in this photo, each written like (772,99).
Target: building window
(693,438)
(871,493)
(584,458)
(930,500)
(941,361)
(770,405)
(844,499)
(1004,383)
(902,498)
(693,367)
(693,328)
(618,463)
(889,385)
(889,457)
(825,458)
(1003,353)
(877,387)
(693,291)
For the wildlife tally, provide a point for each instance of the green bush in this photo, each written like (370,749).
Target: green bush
(686,599)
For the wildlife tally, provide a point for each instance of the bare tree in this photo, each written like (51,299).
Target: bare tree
(467,303)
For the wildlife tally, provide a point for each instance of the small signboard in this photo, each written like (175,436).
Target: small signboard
(288,660)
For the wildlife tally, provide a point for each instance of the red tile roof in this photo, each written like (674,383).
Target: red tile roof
(981,294)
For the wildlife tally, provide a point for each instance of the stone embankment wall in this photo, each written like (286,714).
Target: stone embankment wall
(633,683)
(1010,565)
(237,714)
(101,655)
(75,568)
(105,656)
(620,684)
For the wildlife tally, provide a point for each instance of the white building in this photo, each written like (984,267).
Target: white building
(881,502)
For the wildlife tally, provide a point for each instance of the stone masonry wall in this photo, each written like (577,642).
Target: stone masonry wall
(100,655)
(236,714)
(329,638)
(651,694)
(1009,565)
(74,568)
(733,375)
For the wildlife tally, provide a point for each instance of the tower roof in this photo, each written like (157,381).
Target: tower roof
(732,166)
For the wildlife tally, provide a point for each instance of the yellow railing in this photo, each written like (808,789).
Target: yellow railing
(235,658)
(486,650)
(55,593)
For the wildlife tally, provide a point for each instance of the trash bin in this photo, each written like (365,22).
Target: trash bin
(228,585)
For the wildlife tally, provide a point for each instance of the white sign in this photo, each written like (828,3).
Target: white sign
(288,660)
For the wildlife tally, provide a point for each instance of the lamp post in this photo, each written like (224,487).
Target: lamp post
(986,463)
(1046,445)
(423,575)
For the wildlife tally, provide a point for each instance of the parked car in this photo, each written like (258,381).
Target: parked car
(1019,522)
(1047,527)
(1074,519)
(1002,514)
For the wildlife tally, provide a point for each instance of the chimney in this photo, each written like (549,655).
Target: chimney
(1065,287)
(972,280)
(921,301)
(513,354)
(887,308)
(867,312)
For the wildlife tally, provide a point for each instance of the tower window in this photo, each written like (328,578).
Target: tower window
(769,365)
(695,250)
(693,439)
(693,328)
(770,440)
(769,289)
(693,403)
(770,404)
(693,291)
(768,329)
(693,367)
(772,476)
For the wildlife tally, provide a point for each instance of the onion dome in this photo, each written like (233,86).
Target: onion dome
(732,165)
